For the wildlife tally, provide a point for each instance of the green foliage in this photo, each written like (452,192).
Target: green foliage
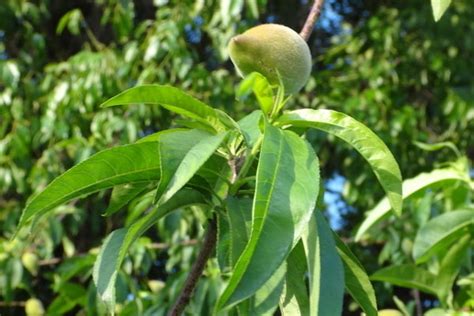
(388,65)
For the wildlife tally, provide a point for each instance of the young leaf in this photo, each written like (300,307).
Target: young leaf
(108,168)
(294,299)
(171,99)
(286,189)
(439,7)
(326,272)
(411,186)
(366,142)
(440,232)
(249,127)
(115,247)
(189,165)
(408,275)
(261,88)
(357,282)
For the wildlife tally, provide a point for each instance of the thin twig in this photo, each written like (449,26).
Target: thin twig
(311,19)
(419,307)
(196,270)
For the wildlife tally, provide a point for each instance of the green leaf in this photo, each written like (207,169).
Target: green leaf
(240,217)
(440,232)
(261,88)
(366,142)
(265,300)
(190,164)
(108,168)
(172,99)
(326,272)
(421,182)
(173,148)
(287,186)
(123,194)
(450,266)
(249,127)
(439,7)
(115,247)
(294,300)
(357,282)
(407,275)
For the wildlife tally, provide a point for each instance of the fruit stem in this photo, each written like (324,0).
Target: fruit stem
(311,19)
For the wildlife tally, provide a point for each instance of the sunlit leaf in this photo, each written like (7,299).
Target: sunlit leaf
(359,136)
(408,275)
(440,232)
(170,98)
(294,300)
(357,281)
(411,186)
(111,167)
(286,190)
(439,7)
(326,272)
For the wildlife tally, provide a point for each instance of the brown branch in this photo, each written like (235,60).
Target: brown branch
(196,270)
(311,19)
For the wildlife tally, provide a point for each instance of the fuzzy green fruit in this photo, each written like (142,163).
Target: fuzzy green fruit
(273,49)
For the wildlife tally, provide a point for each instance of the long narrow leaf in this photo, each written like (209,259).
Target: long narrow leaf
(326,272)
(294,300)
(108,168)
(359,136)
(407,275)
(115,247)
(287,185)
(439,232)
(411,186)
(172,99)
(357,281)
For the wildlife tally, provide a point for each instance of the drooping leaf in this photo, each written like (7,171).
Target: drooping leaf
(108,168)
(421,182)
(115,247)
(440,232)
(439,7)
(326,272)
(294,299)
(359,136)
(357,281)
(189,165)
(450,265)
(123,194)
(265,300)
(286,189)
(407,275)
(172,99)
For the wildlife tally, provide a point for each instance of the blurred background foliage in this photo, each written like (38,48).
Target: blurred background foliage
(386,63)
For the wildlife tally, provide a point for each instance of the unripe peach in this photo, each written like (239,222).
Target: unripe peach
(273,49)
